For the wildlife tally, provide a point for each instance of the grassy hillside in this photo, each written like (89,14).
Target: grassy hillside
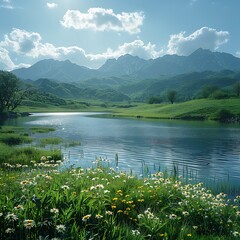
(195,109)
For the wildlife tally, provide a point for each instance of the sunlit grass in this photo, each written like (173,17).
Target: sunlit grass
(195,109)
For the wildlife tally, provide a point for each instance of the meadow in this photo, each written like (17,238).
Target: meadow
(41,199)
(198,109)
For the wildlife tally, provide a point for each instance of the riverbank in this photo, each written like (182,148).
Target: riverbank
(225,110)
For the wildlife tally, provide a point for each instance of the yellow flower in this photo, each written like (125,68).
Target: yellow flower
(86,217)
(115,199)
(120,211)
(189,235)
(113,206)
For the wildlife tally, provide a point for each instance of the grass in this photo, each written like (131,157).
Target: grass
(195,109)
(11,139)
(100,203)
(41,129)
(50,141)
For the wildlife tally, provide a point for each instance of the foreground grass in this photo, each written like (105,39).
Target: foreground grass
(100,203)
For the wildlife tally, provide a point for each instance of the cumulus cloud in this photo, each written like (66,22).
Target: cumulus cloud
(135,48)
(7,4)
(29,45)
(100,19)
(207,38)
(52,5)
(21,41)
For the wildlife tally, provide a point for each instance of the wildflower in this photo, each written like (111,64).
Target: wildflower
(236,234)
(10,230)
(99,186)
(65,187)
(1,214)
(135,232)
(19,207)
(11,217)
(173,216)
(120,211)
(86,217)
(185,213)
(109,213)
(115,199)
(98,216)
(29,223)
(238,213)
(60,228)
(195,227)
(25,182)
(54,210)
(189,235)
(113,206)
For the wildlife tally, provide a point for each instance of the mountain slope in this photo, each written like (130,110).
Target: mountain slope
(124,65)
(199,61)
(64,71)
(131,67)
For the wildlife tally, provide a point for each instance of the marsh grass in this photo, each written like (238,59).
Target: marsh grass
(50,141)
(41,129)
(72,144)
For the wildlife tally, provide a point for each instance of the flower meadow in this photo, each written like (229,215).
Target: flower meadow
(41,201)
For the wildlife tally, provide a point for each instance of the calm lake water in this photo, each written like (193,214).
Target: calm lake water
(208,150)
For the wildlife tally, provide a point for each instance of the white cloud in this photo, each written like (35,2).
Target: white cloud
(29,46)
(206,38)
(5,60)
(52,5)
(100,19)
(135,48)
(7,4)
(21,41)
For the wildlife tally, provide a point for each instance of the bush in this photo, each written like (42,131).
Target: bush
(224,115)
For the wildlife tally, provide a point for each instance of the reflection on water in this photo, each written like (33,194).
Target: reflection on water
(209,150)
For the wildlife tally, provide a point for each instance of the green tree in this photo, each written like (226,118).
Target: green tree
(172,96)
(236,88)
(207,91)
(10,93)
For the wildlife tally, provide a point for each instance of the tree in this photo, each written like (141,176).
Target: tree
(207,91)
(10,93)
(236,88)
(172,96)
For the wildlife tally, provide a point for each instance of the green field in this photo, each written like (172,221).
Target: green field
(199,109)
(195,109)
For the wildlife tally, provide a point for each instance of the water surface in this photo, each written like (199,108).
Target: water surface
(209,150)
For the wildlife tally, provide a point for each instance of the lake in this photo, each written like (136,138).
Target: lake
(205,149)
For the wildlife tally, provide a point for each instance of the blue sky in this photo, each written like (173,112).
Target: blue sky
(88,32)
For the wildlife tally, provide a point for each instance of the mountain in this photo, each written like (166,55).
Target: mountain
(63,71)
(199,61)
(187,85)
(124,65)
(131,67)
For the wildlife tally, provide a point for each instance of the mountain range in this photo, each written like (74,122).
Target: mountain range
(132,67)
